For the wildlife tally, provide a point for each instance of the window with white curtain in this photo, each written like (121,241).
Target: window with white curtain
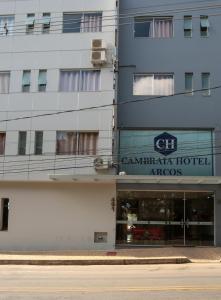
(76,143)
(7,25)
(4,82)
(79,80)
(82,22)
(157,27)
(153,84)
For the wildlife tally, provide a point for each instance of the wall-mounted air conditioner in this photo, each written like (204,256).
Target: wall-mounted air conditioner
(100,164)
(98,57)
(98,44)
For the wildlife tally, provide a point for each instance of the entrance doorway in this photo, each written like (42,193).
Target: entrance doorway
(165,218)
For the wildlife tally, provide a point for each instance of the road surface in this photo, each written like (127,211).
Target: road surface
(188,281)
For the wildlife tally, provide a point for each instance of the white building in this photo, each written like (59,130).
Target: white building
(46,69)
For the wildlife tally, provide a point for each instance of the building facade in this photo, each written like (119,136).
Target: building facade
(169,123)
(56,120)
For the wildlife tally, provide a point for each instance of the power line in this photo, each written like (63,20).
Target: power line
(115,16)
(77,159)
(128,15)
(108,105)
(90,166)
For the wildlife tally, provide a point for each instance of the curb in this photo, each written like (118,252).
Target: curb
(90,262)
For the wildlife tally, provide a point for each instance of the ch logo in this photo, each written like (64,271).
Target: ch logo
(165,143)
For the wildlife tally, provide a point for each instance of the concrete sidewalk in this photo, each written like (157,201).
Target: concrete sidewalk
(153,255)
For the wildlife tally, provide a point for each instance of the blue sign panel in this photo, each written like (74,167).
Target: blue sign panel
(166,152)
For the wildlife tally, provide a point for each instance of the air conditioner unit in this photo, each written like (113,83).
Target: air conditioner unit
(100,164)
(98,57)
(98,44)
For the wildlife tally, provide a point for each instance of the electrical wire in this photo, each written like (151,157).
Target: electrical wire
(90,166)
(108,105)
(112,156)
(133,15)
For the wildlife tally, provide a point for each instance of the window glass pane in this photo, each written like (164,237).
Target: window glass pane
(204,22)
(66,143)
(204,26)
(187,26)
(187,22)
(90,81)
(30,23)
(38,142)
(4,213)
(30,19)
(22,142)
(72,22)
(46,19)
(2,143)
(46,22)
(189,83)
(206,84)
(42,77)
(69,81)
(163,84)
(6,25)
(163,28)
(87,143)
(91,22)
(26,80)
(143,85)
(4,82)
(143,27)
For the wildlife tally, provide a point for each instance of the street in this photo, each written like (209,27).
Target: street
(189,281)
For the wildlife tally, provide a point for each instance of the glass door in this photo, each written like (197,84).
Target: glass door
(150,218)
(165,218)
(199,219)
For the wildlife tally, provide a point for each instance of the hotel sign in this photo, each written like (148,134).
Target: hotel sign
(166,153)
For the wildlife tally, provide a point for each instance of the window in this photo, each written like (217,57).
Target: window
(76,143)
(42,80)
(204,26)
(30,23)
(205,77)
(153,84)
(188,26)
(38,142)
(4,82)
(46,22)
(82,22)
(79,80)
(189,83)
(22,135)
(2,143)
(6,25)
(4,212)
(26,81)
(157,27)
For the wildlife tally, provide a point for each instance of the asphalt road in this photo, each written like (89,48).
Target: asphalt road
(189,281)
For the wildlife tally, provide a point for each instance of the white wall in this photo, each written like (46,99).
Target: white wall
(57,216)
(53,52)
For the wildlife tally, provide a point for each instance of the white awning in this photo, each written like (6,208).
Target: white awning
(213,180)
